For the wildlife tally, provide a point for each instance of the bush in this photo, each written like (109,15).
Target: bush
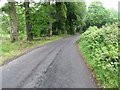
(101,46)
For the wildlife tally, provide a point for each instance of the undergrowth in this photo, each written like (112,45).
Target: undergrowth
(100,47)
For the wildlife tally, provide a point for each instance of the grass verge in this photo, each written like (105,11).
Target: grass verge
(83,50)
(10,50)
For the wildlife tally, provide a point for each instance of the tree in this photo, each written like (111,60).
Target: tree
(28,24)
(61,17)
(97,15)
(113,15)
(47,18)
(50,23)
(81,15)
(13,22)
(75,16)
(42,14)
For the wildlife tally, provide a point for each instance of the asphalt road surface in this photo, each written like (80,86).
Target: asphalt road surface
(54,65)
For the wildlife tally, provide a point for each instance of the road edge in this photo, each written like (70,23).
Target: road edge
(92,73)
(13,58)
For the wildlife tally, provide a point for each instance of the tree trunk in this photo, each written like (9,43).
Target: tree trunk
(50,23)
(28,24)
(13,22)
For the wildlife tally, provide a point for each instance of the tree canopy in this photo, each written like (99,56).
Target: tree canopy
(98,15)
(54,18)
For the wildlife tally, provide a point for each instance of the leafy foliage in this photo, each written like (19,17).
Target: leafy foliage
(75,16)
(61,17)
(98,15)
(67,18)
(102,48)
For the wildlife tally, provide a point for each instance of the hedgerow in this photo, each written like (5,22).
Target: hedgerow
(100,47)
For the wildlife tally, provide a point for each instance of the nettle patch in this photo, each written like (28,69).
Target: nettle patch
(102,47)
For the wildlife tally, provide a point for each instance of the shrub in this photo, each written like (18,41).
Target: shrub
(101,45)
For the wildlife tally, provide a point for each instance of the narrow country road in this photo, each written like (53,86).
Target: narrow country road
(54,65)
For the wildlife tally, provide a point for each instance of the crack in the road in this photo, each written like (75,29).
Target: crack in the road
(34,69)
(41,78)
(56,65)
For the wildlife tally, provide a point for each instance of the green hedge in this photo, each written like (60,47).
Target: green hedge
(100,48)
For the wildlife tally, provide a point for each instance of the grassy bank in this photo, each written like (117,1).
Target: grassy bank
(10,50)
(99,46)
